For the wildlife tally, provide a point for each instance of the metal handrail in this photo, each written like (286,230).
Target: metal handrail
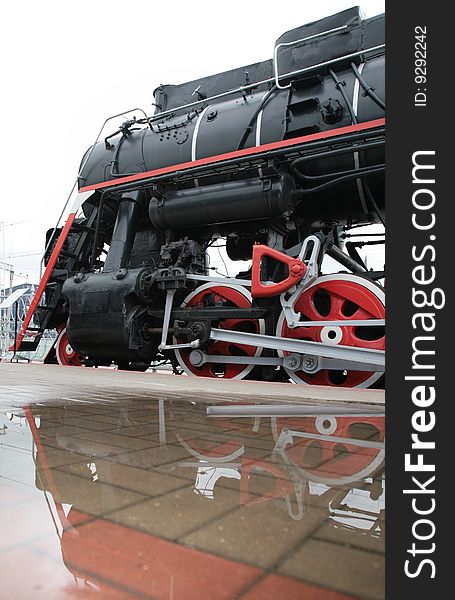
(84,162)
(244,88)
(343,29)
(333,61)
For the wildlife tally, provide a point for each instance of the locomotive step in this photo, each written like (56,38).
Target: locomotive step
(29,346)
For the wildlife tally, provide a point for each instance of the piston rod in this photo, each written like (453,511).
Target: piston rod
(363,355)
(293,362)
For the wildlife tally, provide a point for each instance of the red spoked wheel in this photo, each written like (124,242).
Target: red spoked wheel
(222,295)
(338,297)
(66,355)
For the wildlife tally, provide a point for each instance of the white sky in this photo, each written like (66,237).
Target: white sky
(66,66)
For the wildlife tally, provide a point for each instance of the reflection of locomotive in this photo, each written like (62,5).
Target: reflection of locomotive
(278,159)
(271,458)
(337,484)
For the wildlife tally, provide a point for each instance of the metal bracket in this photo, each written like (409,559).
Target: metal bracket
(166,321)
(289,298)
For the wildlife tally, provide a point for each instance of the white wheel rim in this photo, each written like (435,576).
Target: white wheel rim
(64,348)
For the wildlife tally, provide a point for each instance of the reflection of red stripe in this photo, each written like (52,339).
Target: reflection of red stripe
(44,280)
(239,153)
(279,587)
(42,457)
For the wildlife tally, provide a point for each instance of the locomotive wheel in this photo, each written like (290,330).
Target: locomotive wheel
(66,355)
(338,297)
(228,296)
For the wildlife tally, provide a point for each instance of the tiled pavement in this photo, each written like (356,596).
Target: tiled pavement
(115,491)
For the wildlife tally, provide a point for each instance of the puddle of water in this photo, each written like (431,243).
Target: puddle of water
(161,499)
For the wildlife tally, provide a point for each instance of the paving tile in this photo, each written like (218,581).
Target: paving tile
(177,513)
(352,571)
(17,465)
(200,426)
(186,468)
(47,580)
(79,445)
(345,536)
(15,438)
(121,420)
(249,478)
(92,497)
(43,580)
(150,566)
(149,482)
(213,438)
(22,523)
(86,422)
(258,534)
(56,457)
(114,440)
(10,494)
(53,431)
(151,457)
(277,587)
(147,431)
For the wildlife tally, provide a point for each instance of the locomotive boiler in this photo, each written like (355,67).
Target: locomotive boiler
(280,161)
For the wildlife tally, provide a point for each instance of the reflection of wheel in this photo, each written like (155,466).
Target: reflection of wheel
(66,356)
(222,296)
(336,461)
(338,297)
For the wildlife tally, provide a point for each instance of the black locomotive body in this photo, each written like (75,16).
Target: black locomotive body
(265,157)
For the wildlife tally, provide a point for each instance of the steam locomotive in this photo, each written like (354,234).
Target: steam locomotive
(280,161)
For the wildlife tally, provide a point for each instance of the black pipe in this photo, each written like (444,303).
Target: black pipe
(124,232)
(345,260)
(97,231)
(368,90)
(357,174)
(372,201)
(373,96)
(334,176)
(329,154)
(340,86)
(361,172)
(114,163)
(251,122)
